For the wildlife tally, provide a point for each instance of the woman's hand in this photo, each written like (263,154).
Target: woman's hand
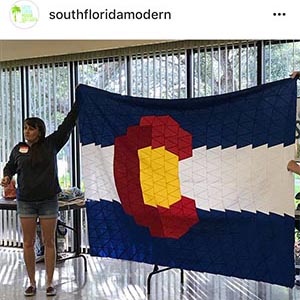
(5,181)
(293,167)
(295,74)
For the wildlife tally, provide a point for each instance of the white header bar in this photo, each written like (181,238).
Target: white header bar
(145,19)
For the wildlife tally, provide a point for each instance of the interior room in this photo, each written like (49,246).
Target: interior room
(38,78)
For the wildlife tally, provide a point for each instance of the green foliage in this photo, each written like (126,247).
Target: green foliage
(65,180)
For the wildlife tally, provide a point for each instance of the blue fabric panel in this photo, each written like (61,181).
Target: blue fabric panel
(255,116)
(248,245)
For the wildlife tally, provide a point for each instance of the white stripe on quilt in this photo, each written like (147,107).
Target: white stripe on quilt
(234,179)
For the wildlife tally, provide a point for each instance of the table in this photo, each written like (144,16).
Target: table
(79,203)
(11,204)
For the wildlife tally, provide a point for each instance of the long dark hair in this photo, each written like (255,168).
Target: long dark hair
(37,156)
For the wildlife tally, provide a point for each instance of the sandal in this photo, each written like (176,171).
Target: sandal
(30,291)
(51,291)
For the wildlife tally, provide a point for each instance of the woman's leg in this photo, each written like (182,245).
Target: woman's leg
(29,232)
(48,226)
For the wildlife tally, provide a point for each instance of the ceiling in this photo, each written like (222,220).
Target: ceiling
(23,49)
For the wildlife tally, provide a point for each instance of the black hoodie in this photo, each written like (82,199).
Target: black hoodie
(38,181)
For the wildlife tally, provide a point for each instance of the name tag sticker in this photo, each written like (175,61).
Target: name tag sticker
(23,149)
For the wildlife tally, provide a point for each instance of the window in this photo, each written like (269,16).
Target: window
(108,74)
(224,68)
(11,134)
(280,58)
(49,99)
(158,75)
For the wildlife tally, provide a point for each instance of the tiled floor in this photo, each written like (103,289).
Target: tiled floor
(110,279)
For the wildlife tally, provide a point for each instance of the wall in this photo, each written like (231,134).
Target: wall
(22,49)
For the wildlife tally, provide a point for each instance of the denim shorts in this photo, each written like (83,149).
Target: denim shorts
(43,208)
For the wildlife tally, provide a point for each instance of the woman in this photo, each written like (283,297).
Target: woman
(292,164)
(34,161)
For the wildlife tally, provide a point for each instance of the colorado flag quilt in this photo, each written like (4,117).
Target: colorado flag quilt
(199,184)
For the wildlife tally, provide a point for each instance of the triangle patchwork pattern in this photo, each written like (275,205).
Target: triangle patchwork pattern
(199,184)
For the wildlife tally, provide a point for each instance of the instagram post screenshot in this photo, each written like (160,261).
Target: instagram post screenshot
(150,150)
